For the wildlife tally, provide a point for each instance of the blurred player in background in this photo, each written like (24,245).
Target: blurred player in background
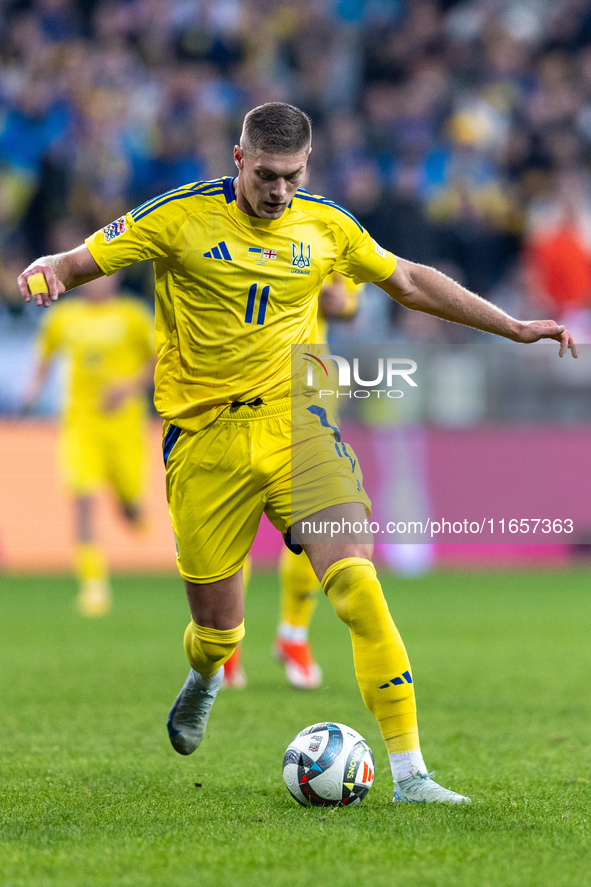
(338,299)
(109,343)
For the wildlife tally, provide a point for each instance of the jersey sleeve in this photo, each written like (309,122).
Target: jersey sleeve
(136,236)
(361,257)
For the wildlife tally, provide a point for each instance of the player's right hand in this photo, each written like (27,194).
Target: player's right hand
(43,295)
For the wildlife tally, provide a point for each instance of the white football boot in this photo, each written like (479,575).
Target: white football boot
(188,716)
(420,788)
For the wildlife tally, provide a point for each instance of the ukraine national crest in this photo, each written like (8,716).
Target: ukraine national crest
(114,229)
(301,258)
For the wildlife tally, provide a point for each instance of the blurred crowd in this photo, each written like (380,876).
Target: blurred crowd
(459,133)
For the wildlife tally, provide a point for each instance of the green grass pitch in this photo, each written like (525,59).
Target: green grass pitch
(92,793)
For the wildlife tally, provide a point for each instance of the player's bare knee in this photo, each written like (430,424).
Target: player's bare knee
(218,604)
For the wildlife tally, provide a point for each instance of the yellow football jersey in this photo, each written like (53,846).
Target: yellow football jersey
(233,291)
(105,343)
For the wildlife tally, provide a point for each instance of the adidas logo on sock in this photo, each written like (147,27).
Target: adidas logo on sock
(405,678)
(220,251)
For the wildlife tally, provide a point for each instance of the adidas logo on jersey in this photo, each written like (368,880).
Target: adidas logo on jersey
(398,680)
(220,251)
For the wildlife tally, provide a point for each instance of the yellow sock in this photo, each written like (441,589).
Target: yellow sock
(207,648)
(381,662)
(299,590)
(90,562)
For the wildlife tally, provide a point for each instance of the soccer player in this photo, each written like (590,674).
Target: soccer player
(239,263)
(109,343)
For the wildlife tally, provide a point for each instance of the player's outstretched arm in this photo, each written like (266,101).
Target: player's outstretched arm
(425,289)
(56,274)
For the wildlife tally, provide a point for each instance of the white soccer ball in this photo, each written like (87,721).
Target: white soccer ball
(327,765)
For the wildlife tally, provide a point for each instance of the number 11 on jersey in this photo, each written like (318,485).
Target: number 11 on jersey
(252,295)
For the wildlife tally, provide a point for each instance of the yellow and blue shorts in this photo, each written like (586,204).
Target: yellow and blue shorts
(220,480)
(102,450)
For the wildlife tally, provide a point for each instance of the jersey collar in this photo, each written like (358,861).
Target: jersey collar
(243,218)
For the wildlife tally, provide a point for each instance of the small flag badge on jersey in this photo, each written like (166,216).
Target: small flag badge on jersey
(261,256)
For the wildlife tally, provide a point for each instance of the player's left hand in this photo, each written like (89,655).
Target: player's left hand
(534,330)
